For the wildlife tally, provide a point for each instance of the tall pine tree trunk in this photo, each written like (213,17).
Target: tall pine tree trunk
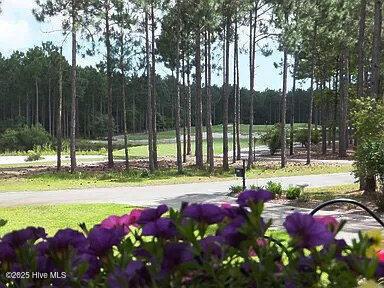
(189,109)
(292,122)
(361,48)
(310,116)
(124,100)
(109,85)
(73,92)
(153,85)
(59,132)
(237,93)
(343,102)
(234,126)
(376,49)
(149,97)
(177,106)
(49,106)
(185,114)
(199,108)
(283,135)
(226,97)
(324,123)
(253,15)
(335,106)
(37,102)
(210,152)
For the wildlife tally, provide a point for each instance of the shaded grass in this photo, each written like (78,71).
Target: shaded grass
(65,180)
(55,217)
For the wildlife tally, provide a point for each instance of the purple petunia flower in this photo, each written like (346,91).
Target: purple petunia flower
(176,254)
(254,196)
(151,214)
(136,275)
(20,237)
(212,245)
(205,213)
(92,262)
(231,233)
(101,240)
(161,228)
(379,273)
(65,238)
(7,253)
(231,211)
(306,231)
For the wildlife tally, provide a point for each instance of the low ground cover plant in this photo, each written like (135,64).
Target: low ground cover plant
(201,245)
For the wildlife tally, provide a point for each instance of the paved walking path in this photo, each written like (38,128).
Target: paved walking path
(172,195)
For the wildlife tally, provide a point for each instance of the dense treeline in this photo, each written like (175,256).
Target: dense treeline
(29,94)
(334,45)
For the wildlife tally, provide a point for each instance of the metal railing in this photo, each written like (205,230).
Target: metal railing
(349,201)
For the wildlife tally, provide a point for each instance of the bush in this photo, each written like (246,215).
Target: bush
(272,139)
(88,145)
(33,155)
(275,188)
(202,245)
(368,120)
(24,138)
(293,192)
(234,190)
(301,136)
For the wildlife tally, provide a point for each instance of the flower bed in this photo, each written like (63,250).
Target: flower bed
(202,245)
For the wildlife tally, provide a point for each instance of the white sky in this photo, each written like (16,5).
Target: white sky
(19,31)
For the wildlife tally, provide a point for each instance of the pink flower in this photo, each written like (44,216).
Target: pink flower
(328,221)
(226,205)
(131,218)
(380,256)
(124,221)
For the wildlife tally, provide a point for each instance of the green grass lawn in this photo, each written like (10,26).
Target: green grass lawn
(169,149)
(64,180)
(332,192)
(55,217)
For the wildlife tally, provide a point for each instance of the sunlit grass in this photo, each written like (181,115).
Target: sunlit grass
(55,217)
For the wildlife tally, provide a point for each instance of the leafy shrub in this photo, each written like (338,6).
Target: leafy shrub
(201,243)
(368,120)
(254,187)
(89,145)
(293,192)
(369,159)
(272,139)
(301,136)
(274,188)
(235,190)
(33,155)
(24,138)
